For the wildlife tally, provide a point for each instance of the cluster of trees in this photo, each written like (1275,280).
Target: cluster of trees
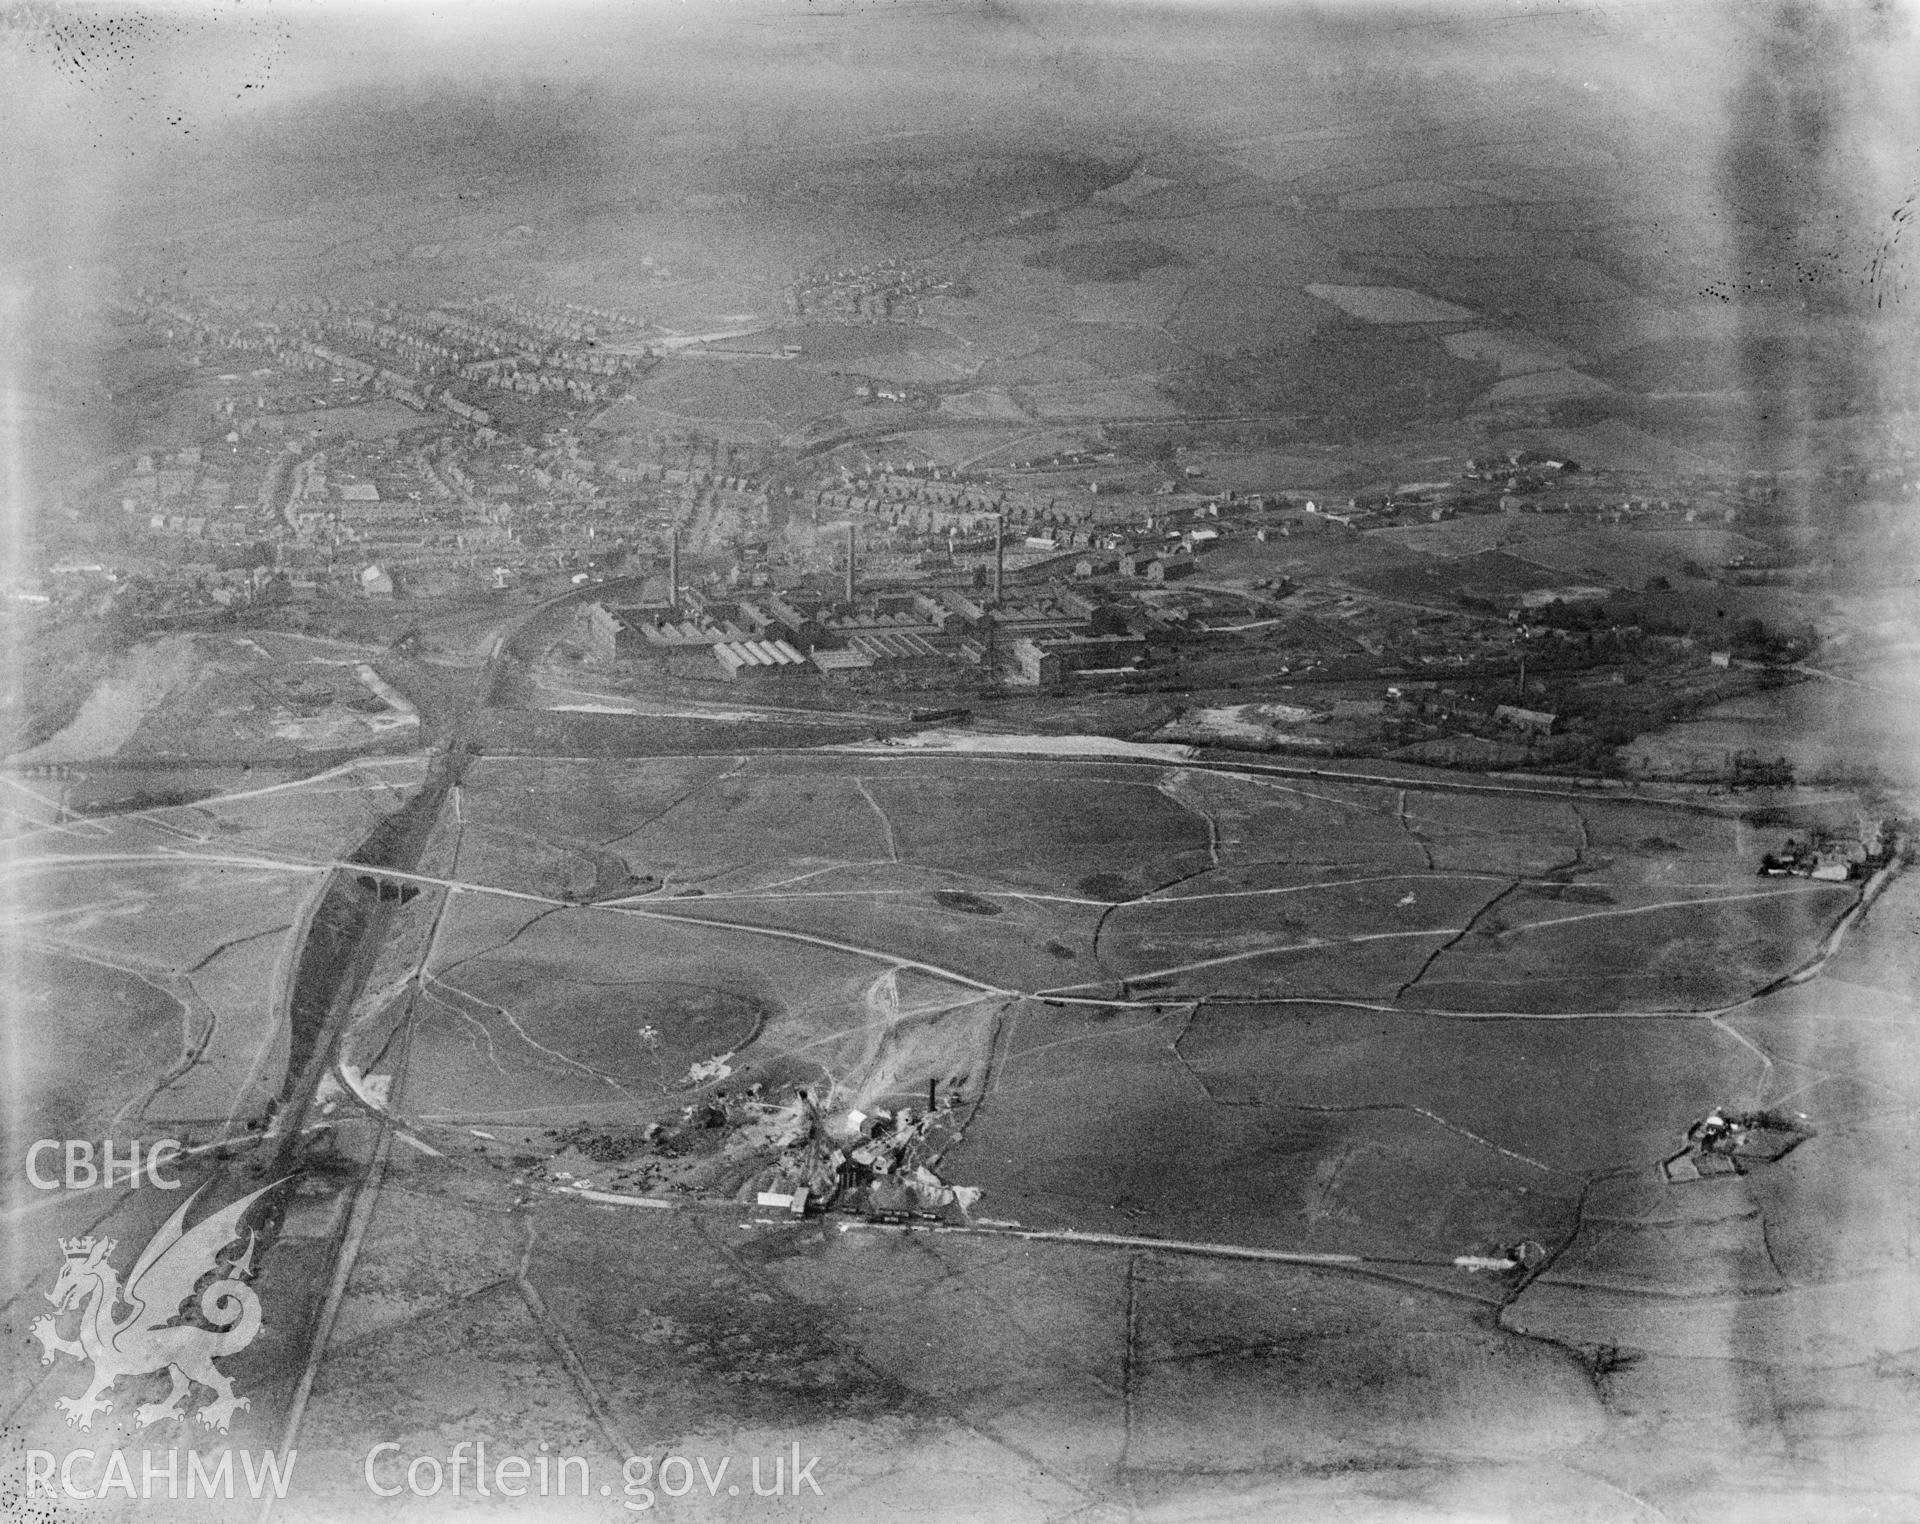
(1752,640)
(1749,639)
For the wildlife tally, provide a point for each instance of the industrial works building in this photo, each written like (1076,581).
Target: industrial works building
(756,660)
(1048,661)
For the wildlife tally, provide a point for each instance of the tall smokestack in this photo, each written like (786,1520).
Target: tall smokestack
(850,566)
(999,555)
(673,567)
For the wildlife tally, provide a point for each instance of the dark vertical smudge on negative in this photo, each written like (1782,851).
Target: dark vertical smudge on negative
(1805,189)
(1771,174)
(1798,188)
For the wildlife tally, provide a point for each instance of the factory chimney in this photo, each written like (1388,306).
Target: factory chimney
(673,568)
(850,564)
(999,555)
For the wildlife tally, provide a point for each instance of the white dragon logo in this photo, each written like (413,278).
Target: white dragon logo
(147,1339)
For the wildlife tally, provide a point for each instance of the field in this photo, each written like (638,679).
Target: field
(1516,354)
(118,1018)
(1819,728)
(1312,1014)
(1389,304)
(154,944)
(1637,1086)
(773,391)
(588,1014)
(1097,1123)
